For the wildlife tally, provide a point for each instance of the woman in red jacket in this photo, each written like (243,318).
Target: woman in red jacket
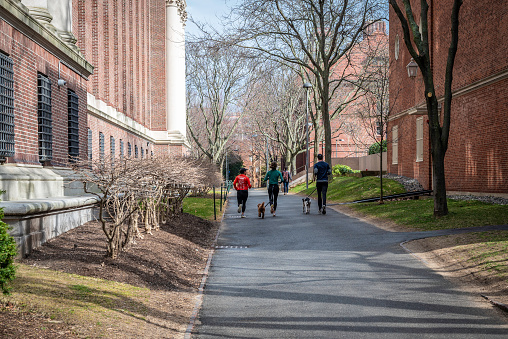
(242,185)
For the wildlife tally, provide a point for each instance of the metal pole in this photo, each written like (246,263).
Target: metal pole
(214,208)
(307,165)
(220,206)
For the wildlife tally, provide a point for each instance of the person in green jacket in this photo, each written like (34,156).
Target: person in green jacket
(275,178)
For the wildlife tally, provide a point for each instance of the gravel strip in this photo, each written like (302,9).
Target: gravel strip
(412,185)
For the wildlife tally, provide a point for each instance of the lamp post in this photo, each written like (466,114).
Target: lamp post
(307,164)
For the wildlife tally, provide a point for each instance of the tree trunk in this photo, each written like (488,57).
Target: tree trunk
(438,177)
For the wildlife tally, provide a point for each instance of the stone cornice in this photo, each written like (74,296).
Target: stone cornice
(181,5)
(101,110)
(18,18)
(421,108)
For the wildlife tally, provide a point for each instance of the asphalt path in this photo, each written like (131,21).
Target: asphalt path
(329,276)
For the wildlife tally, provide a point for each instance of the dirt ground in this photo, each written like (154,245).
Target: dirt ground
(171,264)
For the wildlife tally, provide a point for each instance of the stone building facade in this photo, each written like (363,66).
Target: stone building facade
(81,78)
(477,157)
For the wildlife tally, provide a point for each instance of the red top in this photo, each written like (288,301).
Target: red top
(242,183)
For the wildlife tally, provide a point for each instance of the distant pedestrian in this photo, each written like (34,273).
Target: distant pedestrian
(286,175)
(242,185)
(321,172)
(274,178)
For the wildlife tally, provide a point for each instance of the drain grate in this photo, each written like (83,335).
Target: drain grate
(232,216)
(231,246)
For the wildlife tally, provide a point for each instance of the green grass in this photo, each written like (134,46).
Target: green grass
(201,207)
(79,301)
(347,189)
(419,214)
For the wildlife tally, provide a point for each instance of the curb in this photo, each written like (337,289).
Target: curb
(199,297)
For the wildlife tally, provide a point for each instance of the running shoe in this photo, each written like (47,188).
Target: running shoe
(239,208)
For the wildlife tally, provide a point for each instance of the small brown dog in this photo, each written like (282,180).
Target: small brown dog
(261,210)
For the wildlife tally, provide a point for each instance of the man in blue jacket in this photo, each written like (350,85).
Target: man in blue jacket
(321,172)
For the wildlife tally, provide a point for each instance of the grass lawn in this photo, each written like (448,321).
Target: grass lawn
(202,207)
(347,189)
(419,214)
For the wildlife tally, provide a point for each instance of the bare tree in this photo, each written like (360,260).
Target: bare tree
(133,190)
(416,39)
(278,113)
(374,107)
(219,82)
(312,34)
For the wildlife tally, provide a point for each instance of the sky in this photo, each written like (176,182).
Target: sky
(206,11)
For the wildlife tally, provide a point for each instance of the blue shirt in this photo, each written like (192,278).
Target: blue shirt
(322,170)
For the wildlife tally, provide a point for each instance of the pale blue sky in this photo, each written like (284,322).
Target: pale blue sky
(208,11)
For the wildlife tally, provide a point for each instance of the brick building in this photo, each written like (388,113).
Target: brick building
(352,132)
(477,156)
(83,78)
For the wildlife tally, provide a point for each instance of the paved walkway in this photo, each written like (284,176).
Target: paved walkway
(332,276)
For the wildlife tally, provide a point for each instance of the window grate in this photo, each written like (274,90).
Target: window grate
(112,146)
(136,151)
(44,118)
(129,149)
(73,127)
(121,148)
(101,146)
(142,153)
(6,107)
(90,144)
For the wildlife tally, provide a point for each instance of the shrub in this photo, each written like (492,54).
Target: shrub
(375,148)
(8,252)
(341,170)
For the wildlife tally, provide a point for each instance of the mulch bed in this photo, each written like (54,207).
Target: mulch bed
(172,259)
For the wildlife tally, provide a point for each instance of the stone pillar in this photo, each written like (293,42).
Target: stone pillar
(39,10)
(56,15)
(175,70)
(61,10)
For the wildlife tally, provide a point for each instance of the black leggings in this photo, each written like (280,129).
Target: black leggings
(242,196)
(273,193)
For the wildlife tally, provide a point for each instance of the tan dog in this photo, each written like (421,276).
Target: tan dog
(261,210)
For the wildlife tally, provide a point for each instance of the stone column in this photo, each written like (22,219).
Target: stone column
(39,10)
(175,69)
(61,10)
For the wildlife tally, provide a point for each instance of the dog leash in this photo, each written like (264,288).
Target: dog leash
(311,193)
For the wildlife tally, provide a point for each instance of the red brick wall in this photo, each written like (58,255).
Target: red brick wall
(29,59)
(477,159)
(117,38)
(124,41)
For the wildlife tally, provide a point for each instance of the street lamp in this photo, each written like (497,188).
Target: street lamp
(307,165)
(412,68)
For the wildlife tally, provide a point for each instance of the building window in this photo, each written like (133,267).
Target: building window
(101,146)
(397,47)
(121,148)
(6,107)
(419,139)
(112,146)
(90,144)
(129,149)
(44,118)
(73,124)
(136,151)
(142,153)
(395,145)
